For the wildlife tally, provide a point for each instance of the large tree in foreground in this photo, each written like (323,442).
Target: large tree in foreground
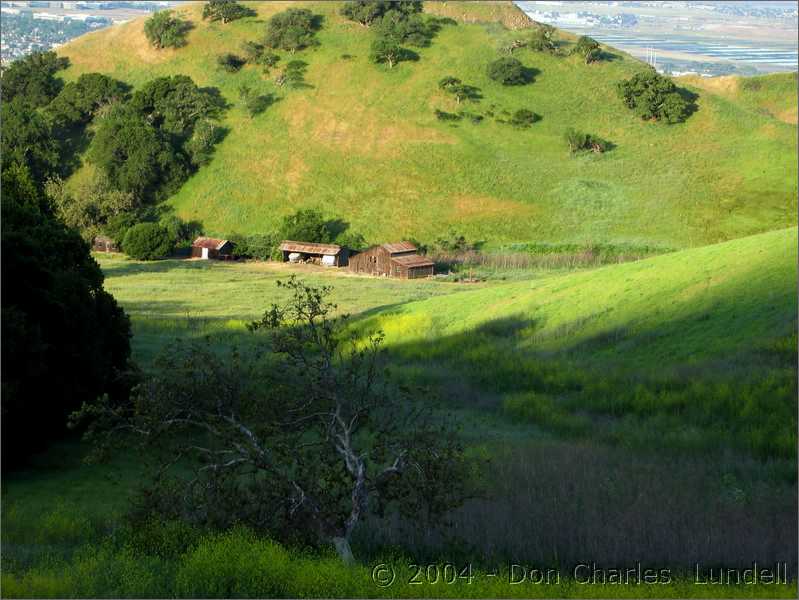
(305,442)
(65,339)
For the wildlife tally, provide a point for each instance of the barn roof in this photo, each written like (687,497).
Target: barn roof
(396,247)
(309,247)
(412,260)
(210,243)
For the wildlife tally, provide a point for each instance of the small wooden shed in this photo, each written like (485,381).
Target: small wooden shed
(103,243)
(400,259)
(327,255)
(205,247)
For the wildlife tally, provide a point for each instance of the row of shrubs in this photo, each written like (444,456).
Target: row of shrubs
(239,564)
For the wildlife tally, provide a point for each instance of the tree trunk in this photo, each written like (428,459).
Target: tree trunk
(343,549)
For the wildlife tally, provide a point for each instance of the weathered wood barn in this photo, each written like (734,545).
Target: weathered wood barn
(205,247)
(399,259)
(327,255)
(103,243)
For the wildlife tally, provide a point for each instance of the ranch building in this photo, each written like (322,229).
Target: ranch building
(103,243)
(327,255)
(400,259)
(205,247)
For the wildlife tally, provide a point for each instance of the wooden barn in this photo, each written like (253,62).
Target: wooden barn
(205,247)
(327,255)
(400,259)
(103,243)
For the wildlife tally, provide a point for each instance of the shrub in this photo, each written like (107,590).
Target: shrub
(507,71)
(542,39)
(182,233)
(165,31)
(588,48)
(654,97)
(523,118)
(147,241)
(445,116)
(585,141)
(225,11)
(259,247)
(230,62)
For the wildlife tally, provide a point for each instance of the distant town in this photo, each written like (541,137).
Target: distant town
(679,38)
(32,26)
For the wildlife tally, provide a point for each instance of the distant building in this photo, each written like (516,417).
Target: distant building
(205,247)
(327,255)
(399,259)
(103,243)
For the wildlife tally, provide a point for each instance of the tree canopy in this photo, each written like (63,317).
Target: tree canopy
(292,30)
(163,30)
(32,80)
(65,339)
(226,11)
(137,156)
(366,12)
(654,97)
(588,48)
(28,140)
(77,103)
(148,241)
(507,71)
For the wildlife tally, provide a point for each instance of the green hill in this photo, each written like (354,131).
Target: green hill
(362,142)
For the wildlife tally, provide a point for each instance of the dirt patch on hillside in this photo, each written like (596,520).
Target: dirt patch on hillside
(726,85)
(504,12)
(358,130)
(789,116)
(471,207)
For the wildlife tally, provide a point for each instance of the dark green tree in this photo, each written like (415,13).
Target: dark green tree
(386,49)
(405,28)
(163,30)
(292,30)
(226,11)
(588,48)
(32,79)
(229,62)
(507,71)
(65,340)
(175,104)
(523,118)
(654,97)
(137,156)
(305,225)
(77,103)
(148,241)
(459,90)
(28,140)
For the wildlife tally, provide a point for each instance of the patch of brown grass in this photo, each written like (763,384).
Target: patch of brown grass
(504,12)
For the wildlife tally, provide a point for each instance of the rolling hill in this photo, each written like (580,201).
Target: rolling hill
(361,142)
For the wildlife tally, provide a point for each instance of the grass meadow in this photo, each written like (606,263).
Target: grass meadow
(643,410)
(361,142)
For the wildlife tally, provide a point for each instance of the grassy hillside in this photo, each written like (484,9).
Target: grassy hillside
(361,142)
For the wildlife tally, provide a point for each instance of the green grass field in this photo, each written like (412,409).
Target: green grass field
(362,143)
(560,346)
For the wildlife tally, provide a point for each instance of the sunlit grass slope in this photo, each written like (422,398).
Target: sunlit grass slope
(661,312)
(362,142)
